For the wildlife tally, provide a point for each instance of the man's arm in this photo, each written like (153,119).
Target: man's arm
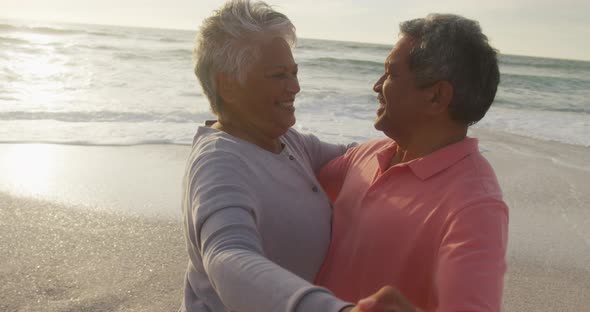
(471,259)
(471,266)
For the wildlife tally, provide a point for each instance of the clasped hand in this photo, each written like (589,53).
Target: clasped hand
(387,299)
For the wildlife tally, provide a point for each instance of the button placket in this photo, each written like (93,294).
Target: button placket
(314,188)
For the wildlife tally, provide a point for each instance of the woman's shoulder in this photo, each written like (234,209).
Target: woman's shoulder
(296,139)
(212,140)
(293,134)
(215,145)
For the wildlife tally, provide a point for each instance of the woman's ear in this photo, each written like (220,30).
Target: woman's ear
(226,87)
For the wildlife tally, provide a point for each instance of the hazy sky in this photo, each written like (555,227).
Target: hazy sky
(527,27)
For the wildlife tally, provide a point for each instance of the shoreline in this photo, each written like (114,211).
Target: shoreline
(486,132)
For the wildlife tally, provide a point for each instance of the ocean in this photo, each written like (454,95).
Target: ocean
(108,85)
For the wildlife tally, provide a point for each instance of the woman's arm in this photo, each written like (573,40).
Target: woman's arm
(224,207)
(321,152)
(245,279)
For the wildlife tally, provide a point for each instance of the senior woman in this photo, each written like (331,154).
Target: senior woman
(257,223)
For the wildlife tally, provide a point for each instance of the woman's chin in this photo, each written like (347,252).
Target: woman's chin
(286,122)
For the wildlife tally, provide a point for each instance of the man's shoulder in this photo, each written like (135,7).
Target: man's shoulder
(474,180)
(369,148)
(374,144)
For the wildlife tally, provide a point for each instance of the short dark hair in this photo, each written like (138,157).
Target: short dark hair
(453,48)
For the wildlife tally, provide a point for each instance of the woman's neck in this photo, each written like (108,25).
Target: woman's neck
(249,132)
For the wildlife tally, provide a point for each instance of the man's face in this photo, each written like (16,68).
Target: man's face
(400,101)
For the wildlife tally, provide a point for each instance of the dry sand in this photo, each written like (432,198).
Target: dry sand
(100,231)
(547,187)
(56,258)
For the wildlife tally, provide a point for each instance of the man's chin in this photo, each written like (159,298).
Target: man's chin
(378,124)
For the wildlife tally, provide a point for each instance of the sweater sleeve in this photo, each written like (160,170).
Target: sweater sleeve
(471,266)
(231,247)
(321,152)
(245,279)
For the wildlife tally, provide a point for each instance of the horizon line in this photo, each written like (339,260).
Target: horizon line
(309,38)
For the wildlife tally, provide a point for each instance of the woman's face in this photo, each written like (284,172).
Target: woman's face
(265,101)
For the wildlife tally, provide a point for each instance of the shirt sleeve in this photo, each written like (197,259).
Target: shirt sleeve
(331,175)
(321,152)
(472,264)
(231,247)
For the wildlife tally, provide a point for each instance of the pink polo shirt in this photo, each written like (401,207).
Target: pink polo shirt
(436,227)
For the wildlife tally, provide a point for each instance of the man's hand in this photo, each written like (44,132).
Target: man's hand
(387,299)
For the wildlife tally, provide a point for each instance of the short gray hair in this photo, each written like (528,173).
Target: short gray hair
(229,42)
(453,48)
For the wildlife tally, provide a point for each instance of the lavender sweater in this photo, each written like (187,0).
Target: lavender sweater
(257,225)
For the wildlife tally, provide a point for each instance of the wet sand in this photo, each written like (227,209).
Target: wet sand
(98,228)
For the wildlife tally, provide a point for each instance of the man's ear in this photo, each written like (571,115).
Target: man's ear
(440,96)
(226,87)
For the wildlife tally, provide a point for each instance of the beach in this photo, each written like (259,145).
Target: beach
(55,258)
(98,228)
(93,229)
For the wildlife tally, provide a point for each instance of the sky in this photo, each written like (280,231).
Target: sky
(547,28)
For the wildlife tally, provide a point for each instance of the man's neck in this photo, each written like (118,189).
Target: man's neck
(421,145)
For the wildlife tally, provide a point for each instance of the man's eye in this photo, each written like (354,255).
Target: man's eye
(284,75)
